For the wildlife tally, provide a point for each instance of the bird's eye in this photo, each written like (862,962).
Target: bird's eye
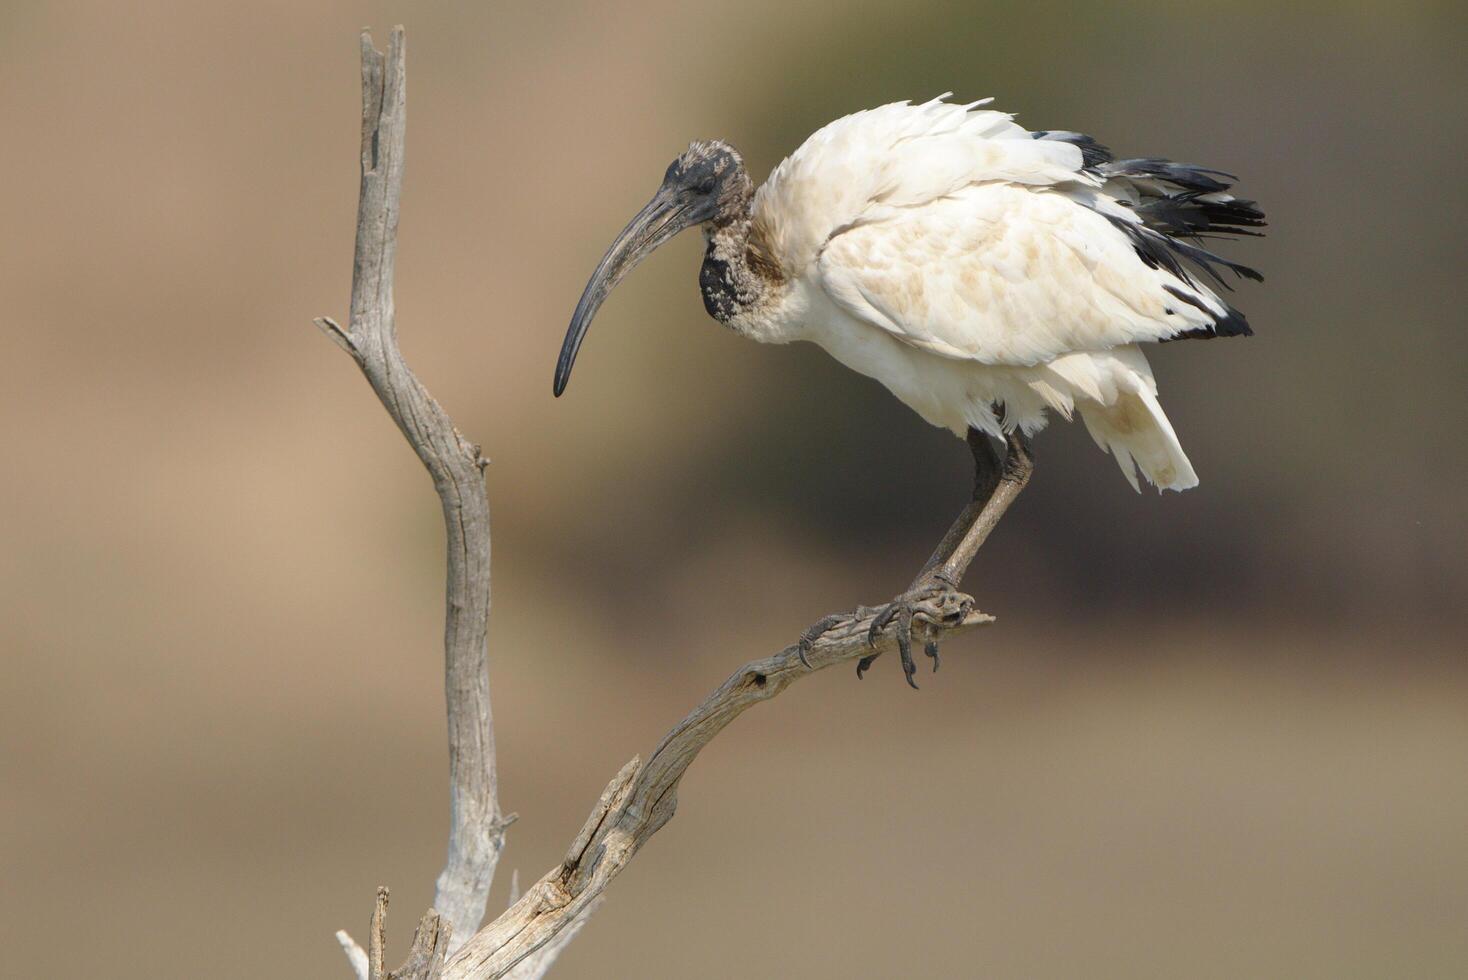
(705,186)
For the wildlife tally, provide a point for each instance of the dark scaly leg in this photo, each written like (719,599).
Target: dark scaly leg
(986,478)
(951,558)
(995,487)
(987,468)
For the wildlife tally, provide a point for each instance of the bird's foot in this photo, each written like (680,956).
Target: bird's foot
(930,604)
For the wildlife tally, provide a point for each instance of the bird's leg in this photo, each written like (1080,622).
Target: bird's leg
(996,485)
(999,491)
(986,477)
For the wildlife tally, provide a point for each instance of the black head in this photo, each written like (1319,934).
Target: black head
(710,176)
(707,183)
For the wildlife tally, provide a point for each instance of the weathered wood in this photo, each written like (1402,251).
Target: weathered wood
(642,797)
(377,941)
(477,826)
(356,955)
(430,948)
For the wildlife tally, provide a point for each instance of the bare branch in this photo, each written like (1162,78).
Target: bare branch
(477,826)
(430,948)
(514,886)
(642,797)
(377,942)
(336,334)
(356,955)
(538,963)
(425,958)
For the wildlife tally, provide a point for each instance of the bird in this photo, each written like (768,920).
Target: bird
(984,273)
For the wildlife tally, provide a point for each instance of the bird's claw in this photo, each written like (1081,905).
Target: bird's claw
(819,629)
(931,605)
(822,627)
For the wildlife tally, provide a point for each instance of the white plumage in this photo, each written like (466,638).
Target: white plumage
(983,273)
(965,262)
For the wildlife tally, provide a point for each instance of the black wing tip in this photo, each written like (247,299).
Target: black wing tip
(1181,204)
(1093,153)
(1231,324)
(1160,250)
(1188,176)
(1192,215)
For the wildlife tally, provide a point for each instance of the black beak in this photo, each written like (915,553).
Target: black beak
(662,218)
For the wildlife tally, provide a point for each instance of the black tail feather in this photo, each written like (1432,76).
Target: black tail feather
(1197,216)
(1178,207)
(1189,177)
(1162,251)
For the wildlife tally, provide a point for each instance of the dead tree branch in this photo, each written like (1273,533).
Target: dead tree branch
(477,826)
(642,797)
(522,942)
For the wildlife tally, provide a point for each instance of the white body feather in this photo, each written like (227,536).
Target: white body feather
(945,252)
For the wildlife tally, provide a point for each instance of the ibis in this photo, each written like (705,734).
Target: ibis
(983,273)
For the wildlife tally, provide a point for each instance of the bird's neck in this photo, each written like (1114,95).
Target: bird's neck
(726,280)
(736,277)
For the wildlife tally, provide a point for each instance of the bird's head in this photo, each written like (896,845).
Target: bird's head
(707,184)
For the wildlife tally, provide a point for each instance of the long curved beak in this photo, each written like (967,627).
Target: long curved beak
(660,220)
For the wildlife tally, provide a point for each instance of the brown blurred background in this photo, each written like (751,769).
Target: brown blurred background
(1216,734)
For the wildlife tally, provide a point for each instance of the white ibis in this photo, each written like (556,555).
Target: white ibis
(983,273)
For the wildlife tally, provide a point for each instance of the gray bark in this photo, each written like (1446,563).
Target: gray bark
(477,826)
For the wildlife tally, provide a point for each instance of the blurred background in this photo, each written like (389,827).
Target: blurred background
(1215,734)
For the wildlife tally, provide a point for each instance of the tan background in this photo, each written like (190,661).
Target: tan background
(1218,734)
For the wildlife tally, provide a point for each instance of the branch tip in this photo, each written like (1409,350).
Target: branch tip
(337,335)
(356,955)
(377,941)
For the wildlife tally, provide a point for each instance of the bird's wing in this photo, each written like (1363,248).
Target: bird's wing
(965,234)
(864,165)
(1014,274)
